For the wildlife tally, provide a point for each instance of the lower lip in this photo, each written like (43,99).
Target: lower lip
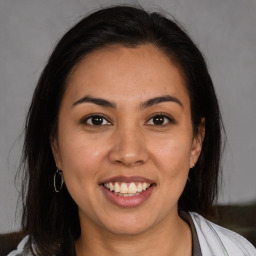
(129,201)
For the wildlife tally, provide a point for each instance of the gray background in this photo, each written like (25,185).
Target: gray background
(225,30)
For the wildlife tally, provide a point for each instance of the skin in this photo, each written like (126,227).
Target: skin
(127,143)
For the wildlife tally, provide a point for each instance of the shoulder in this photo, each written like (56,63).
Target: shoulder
(216,240)
(21,249)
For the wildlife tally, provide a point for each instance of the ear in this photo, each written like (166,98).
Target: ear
(197,143)
(56,152)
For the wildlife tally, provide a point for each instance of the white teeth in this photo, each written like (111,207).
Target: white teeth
(127,189)
(117,187)
(123,188)
(132,188)
(111,187)
(139,187)
(144,186)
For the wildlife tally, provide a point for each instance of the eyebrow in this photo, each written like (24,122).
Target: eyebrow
(146,104)
(157,100)
(97,101)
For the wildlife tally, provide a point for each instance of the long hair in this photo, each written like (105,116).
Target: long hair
(48,216)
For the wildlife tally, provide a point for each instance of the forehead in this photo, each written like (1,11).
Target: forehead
(126,74)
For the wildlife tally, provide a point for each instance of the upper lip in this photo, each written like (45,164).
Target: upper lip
(127,179)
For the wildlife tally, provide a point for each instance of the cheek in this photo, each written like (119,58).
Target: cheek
(81,160)
(173,162)
(172,154)
(79,150)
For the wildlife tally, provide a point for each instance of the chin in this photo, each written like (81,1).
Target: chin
(129,225)
(129,230)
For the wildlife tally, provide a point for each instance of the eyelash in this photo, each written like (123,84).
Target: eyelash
(168,120)
(85,120)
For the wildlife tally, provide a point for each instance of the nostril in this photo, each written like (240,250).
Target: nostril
(129,163)
(126,158)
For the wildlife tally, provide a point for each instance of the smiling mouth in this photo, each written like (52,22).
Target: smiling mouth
(127,189)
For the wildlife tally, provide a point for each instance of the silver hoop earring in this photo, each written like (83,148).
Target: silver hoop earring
(193,166)
(58,181)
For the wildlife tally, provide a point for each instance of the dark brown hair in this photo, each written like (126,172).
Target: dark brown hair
(48,216)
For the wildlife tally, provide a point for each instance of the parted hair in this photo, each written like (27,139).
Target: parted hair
(49,216)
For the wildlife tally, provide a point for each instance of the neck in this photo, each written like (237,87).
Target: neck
(172,239)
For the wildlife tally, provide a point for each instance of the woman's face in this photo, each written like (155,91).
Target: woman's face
(125,142)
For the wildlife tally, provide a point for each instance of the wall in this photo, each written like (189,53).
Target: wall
(224,30)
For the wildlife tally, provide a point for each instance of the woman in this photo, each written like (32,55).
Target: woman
(123,144)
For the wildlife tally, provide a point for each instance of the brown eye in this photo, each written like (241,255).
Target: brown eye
(159,120)
(96,120)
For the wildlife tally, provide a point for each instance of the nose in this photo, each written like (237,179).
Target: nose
(129,148)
